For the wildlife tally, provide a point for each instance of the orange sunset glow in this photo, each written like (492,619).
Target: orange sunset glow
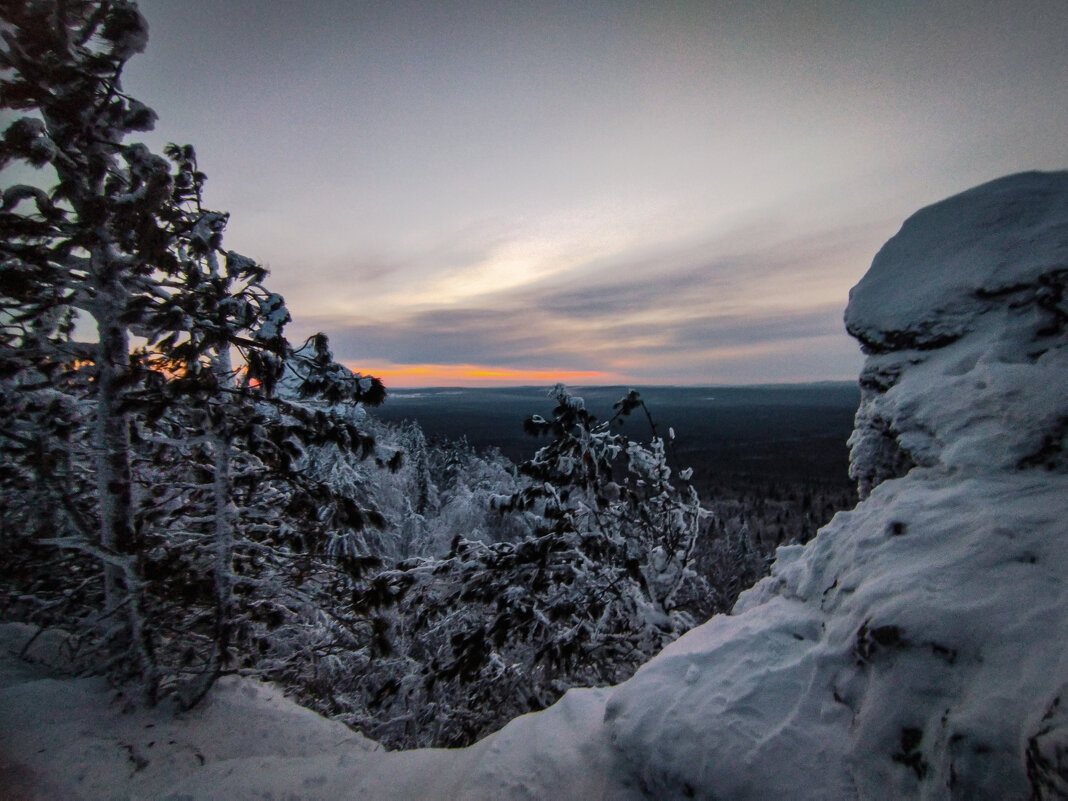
(475,375)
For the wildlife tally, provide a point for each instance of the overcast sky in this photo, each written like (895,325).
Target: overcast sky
(600,192)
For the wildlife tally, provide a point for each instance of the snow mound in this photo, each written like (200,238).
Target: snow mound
(77,739)
(918,647)
(64,738)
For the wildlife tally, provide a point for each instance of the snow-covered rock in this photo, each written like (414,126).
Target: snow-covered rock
(918,647)
(965,309)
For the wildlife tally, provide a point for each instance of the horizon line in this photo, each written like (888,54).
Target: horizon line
(738,385)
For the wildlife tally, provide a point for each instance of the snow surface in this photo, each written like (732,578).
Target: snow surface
(76,739)
(916,648)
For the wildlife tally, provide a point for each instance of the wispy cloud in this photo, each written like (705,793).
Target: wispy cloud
(698,307)
(447,336)
(594,186)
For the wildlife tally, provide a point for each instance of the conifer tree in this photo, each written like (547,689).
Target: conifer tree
(90,246)
(174,442)
(493,630)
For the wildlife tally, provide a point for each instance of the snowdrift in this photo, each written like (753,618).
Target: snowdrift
(916,648)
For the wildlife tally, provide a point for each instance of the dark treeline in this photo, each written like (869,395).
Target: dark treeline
(730,434)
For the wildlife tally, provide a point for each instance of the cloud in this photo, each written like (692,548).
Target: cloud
(449,336)
(537,339)
(621,295)
(762,296)
(731,331)
(745,267)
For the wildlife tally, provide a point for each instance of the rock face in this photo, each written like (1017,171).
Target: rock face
(918,647)
(966,308)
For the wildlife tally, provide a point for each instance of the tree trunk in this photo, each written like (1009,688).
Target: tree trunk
(113,475)
(123,586)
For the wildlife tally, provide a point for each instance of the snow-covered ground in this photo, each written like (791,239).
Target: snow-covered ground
(73,739)
(917,648)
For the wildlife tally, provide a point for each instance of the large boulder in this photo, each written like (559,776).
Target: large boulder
(963,316)
(918,647)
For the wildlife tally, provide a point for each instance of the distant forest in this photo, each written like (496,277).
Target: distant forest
(779,451)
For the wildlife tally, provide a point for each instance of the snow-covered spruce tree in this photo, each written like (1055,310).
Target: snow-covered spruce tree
(614,499)
(404,495)
(280,541)
(185,444)
(471,484)
(493,630)
(91,245)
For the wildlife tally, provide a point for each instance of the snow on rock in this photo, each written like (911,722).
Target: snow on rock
(918,647)
(967,303)
(955,259)
(910,652)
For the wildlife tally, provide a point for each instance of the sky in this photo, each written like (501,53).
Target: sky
(469,193)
